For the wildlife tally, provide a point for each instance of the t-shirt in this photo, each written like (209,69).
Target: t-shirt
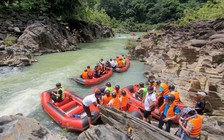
(88,100)
(148,100)
(112,63)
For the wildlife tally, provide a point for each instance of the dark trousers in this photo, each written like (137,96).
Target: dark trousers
(161,122)
(55,99)
(160,101)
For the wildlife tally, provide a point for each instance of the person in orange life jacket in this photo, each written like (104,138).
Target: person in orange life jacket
(115,101)
(117,90)
(84,74)
(87,101)
(117,59)
(149,104)
(192,126)
(162,91)
(175,93)
(103,69)
(124,100)
(152,84)
(90,72)
(169,112)
(58,95)
(200,102)
(106,98)
(120,63)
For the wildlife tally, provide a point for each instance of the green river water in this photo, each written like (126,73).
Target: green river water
(21,88)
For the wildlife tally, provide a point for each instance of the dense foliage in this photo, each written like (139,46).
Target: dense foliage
(132,15)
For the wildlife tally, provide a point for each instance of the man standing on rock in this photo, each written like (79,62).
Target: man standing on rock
(169,112)
(87,101)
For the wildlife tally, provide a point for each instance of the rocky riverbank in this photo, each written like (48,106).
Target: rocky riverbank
(24,36)
(191,58)
(17,127)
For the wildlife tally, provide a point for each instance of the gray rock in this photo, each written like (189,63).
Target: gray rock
(17,30)
(198,43)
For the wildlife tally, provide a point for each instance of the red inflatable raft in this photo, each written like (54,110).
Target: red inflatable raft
(93,81)
(69,113)
(125,68)
(136,102)
(131,109)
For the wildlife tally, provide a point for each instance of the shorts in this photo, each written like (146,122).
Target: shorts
(147,113)
(87,110)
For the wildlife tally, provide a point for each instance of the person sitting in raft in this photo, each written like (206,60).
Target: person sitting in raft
(175,93)
(87,101)
(115,101)
(90,72)
(191,126)
(109,87)
(124,100)
(152,84)
(162,91)
(106,98)
(58,95)
(97,71)
(120,63)
(103,69)
(124,59)
(117,59)
(200,102)
(169,112)
(112,63)
(117,90)
(101,61)
(84,74)
(149,104)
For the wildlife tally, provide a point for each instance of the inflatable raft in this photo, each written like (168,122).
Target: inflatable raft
(136,102)
(131,109)
(69,113)
(93,81)
(125,68)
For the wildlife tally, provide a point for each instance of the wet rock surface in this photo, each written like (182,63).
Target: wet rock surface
(191,58)
(18,127)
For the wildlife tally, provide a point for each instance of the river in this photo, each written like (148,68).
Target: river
(21,88)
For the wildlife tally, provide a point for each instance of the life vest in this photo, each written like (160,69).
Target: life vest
(116,103)
(176,95)
(118,93)
(165,89)
(152,84)
(110,89)
(106,99)
(197,125)
(120,63)
(124,61)
(124,101)
(170,111)
(117,59)
(85,75)
(90,72)
(144,91)
(63,93)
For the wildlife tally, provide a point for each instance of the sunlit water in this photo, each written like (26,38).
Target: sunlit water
(21,88)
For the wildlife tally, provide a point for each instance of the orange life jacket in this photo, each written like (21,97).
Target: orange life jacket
(124,101)
(116,103)
(170,111)
(120,63)
(177,96)
(165,89)
(106,99)
(197,125)
(121,57)
(84,75)
(152,84)
(117,59)
(90,72)
(118,93)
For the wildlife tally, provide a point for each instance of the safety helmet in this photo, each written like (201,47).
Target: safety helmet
(171,87)
(170,97)
(151,81)
(97,93)
(58,84)
(141,84)
(108,84)
(158,82)
(123,92)
(150,88)
(114,94)
(107,92)
(117,87)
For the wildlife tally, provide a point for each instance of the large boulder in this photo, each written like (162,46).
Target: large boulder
(18,127)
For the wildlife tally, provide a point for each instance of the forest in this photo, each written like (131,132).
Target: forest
(123,15)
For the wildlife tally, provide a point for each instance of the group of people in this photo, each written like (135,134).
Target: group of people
(166,99)
(155,95)
(102,67)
